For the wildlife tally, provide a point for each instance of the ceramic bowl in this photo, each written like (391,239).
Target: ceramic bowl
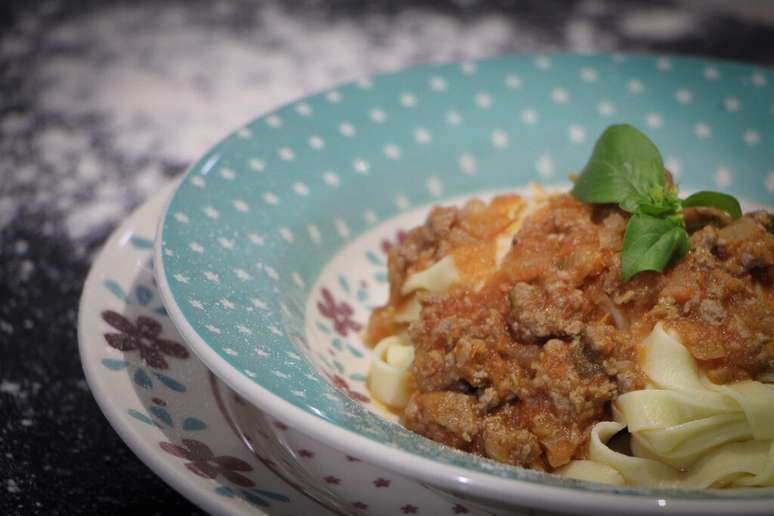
(272,250)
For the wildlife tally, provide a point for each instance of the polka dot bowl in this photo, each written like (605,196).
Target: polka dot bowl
(272,250)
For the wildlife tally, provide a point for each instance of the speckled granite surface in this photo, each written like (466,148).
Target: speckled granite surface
(101,102)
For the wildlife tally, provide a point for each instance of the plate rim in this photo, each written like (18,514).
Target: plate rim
(157,463)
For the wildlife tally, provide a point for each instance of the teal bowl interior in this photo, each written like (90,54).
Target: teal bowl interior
(258,218)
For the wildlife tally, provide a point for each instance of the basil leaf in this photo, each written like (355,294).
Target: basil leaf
(631,203)
(683,245)
(650,243)
(624,162)
(721,201)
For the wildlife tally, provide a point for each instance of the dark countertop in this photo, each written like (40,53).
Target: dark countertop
(101,102)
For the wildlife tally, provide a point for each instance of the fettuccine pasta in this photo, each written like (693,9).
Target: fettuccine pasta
(685,430)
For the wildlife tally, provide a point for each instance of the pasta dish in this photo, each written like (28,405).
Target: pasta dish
(615,333)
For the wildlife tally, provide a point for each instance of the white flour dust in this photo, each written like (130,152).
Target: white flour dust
(9,387)
(174,87)
(164,86)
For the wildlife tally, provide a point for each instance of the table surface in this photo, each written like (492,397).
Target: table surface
(102,102)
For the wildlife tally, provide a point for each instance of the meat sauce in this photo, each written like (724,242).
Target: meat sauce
(520,368)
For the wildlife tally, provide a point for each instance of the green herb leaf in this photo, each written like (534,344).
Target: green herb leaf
(624,162)
(631,203)
(721,201)
(650,243)
(683,245)
(659,202)
(626,168)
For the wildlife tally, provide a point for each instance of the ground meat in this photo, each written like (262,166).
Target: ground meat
(447,417)
(764,218)
(744,245)
(698,218)
(504,437)
(451,346)
(540,312)
(422,246)
(521,368)
(446,229)
(720,299)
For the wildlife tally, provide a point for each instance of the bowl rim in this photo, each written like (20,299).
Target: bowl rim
(452,477)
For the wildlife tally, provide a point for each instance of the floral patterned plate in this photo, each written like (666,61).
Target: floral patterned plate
(270,254)
(175,415)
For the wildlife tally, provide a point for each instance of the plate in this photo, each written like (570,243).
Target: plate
(269,257)
(153,390)
(175,415)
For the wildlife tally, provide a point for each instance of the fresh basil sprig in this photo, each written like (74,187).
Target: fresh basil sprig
(626,168)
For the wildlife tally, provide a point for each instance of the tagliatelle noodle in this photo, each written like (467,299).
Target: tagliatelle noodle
(685,430)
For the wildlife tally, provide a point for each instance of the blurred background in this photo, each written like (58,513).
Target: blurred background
(101,102)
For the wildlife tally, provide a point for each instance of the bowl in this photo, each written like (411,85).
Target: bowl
(272,250)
